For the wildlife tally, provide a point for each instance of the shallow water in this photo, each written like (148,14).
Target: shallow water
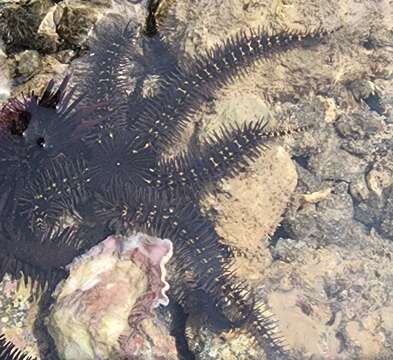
(307,225)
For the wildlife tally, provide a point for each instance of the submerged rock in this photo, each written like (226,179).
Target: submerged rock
(104,309)
(263,188)
(28,62)
(331,301)
(207,345)
(18,311)
(19,23)
(4,76)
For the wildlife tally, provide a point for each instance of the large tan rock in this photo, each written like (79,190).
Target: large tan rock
(250,206)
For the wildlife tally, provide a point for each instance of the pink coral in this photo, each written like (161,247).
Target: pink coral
(111,290)
(152,256)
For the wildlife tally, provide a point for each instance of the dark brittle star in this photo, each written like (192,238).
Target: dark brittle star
(95,158)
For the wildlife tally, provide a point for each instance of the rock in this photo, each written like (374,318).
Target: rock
(66,56)
(328,162)
(317,196)
(4,76)
(377,212)
(378,38)
(386,215)
(240,108)
(368,211)
(377,180)
(359,125)
(18,312)
(53,70)
(28,62)
(74,24)
(329,301)
(206,345)
(239,210)
(263,188)
(288,250)
(19,24)
(366,340)
(327,222)
(303,324)
(359,190)
(307,181)
(48,26)
(39,31)
(380,176)
(361,131)
(105,307)
(361,88)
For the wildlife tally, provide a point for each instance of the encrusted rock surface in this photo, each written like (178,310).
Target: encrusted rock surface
(105,309)
(209,345)
(41,37)
(18,311)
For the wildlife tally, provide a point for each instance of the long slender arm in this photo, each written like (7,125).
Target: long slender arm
(222,156)
(198,249)
(106,78)
(186,89)
(8,351)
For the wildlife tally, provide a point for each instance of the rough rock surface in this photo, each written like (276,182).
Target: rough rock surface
(105,308)
(206,344)
(42,37)
(18,311)
(4,76)
(265,187)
